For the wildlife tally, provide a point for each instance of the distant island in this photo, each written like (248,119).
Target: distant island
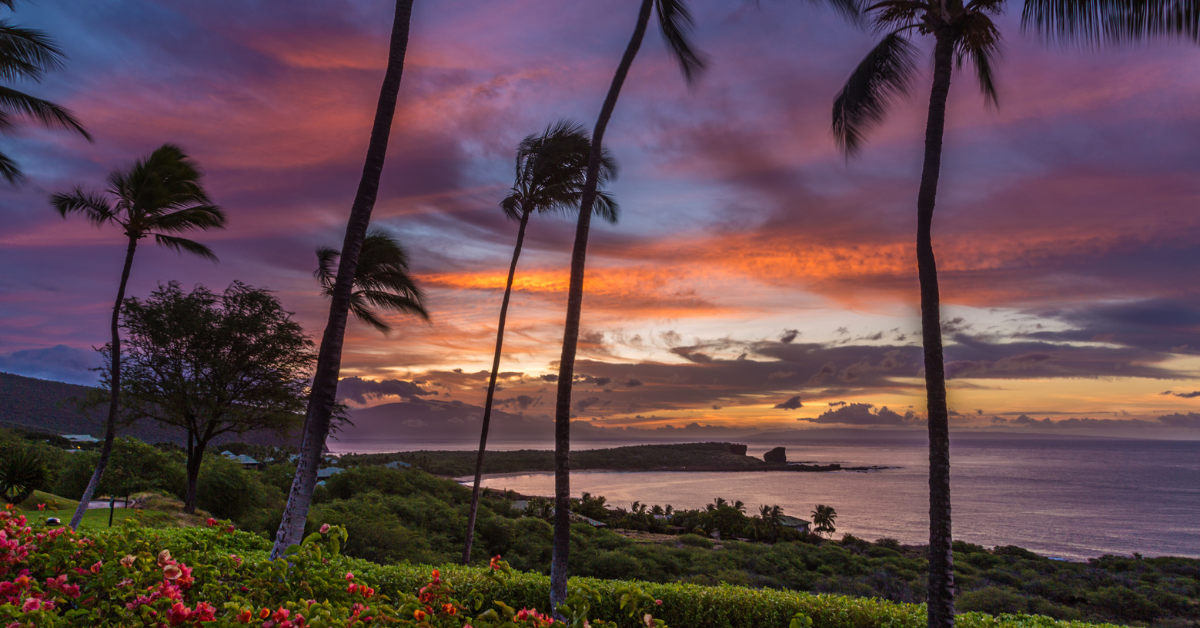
(710,457)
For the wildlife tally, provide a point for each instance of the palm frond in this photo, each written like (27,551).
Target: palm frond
(184,245)
(675,20)
(27,53)
(409,302)
(94,207)
(1111,22)
(198,217)
(10,170)
(897,14)
(44,111)
(979,40)
(605,206)
(879,79)
(381,279)
(365,314)
(512,205)
(326,271)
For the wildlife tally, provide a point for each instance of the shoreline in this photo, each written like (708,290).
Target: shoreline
(511,474)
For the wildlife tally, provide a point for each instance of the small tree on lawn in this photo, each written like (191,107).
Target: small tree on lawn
(214,364)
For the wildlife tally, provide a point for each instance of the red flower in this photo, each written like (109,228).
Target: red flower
(495,564)
(206,611)
(658,602)
(244,616)
(324,528)
(419,615)
(211,522)
(264,613)
(351,588)
(449,609)
(96,567)
(281,614)
(41,506)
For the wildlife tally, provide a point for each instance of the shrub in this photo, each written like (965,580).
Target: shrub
(227,490)
(695,540)
(21,473)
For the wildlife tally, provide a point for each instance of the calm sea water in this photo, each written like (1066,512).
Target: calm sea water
(1073,499)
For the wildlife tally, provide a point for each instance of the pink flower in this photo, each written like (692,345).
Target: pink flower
(349,576)
(31,604)
(171,572)
(96,567)
(351,588)
(211,522)
(324,528)
(658,602)
(128,561)
(41,506)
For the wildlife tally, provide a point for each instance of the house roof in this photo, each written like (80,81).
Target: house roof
(397,464)
(240,459)
(328,472)
(81,438)
(793,522)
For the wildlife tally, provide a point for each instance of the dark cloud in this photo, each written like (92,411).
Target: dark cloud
(633,382)
(860,414)
(549,377)
(584,404)
(1163,325)
(59,363)
(791,404)
(524,402)
(789,335)
(359,390)
(595,381)
(1189,420)
(1183,395)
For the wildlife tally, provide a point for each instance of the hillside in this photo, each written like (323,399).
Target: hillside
(675,457)
(54,407)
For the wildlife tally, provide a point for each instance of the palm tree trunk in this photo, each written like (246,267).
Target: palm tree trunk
(491,391)
(566,367)
(941,558)
(329,360)
(114,397)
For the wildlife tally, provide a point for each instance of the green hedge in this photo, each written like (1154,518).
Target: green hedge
(684,605)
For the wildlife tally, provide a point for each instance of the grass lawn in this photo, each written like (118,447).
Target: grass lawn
(158,512)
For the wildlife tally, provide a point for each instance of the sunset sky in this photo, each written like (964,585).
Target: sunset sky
(753,263)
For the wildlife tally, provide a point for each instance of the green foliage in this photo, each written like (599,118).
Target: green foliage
(133,467)
(21,473)
(228,491)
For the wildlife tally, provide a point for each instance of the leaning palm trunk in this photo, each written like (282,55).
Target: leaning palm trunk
(324,388)
(941,558)
(566,368)
(114,397)
(491,391)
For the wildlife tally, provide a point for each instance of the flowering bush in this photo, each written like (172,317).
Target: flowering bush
(52,578)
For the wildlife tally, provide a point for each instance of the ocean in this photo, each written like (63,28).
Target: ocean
(1067,498)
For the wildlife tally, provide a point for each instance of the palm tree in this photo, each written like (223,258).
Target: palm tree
(961,31)
(323,398)
(824,518)
(550,172)
(27,54)
(159,196)
(380,280)
(675,21)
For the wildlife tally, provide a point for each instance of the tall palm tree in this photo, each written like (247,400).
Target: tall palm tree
(675,21)
(27,54)
(550,172)
(961,32)
(160,195)
(380,280)
(323,398)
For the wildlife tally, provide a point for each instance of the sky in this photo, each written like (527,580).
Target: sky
(757,278)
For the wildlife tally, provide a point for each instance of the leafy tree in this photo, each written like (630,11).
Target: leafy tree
(824,518)
(160,196)
(381,279)
(322,402)
(133,467)
(551,168)
(1112,22)
(214,364)
(28,54)
(676,22)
